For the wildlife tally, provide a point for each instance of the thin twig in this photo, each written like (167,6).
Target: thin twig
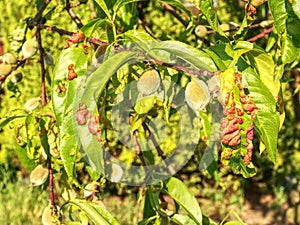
(93,11)
(141,22)
(44,102)
(73,15)
(39,14)
(100,42)
(171,10)
(43,71)
(158,149)
(51,186)
(261,35)
(50,28)
(183,69)
(20,63)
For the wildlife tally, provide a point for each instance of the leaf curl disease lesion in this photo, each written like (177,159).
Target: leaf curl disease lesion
(238,124)
(83,116)
(72,74)
(74,38)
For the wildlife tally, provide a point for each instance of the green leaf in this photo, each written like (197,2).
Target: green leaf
(10,119)
(266,70)
(103,6)
(234,223)
(63,103)
(74,223)
(120,3)
(267,120)
(149,210)
(182,220)
(26,162)
(181,194)
(88,95)
(142,39)
(287,26)
(296,7)
(191,55)
(144,105)
(44,137)
(222,54)
(279,13)
(89,28)
(96,213)
(207,7)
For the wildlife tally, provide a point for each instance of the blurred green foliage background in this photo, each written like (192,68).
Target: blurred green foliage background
(273,191)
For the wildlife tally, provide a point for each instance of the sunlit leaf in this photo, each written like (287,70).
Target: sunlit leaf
(63,103)
(267,120)
(279,13)
(95,212)
(103,6)
(191,55)
(89,93)
(182,220)
(266,69)
(89,28)
(181,194)
(120,3)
